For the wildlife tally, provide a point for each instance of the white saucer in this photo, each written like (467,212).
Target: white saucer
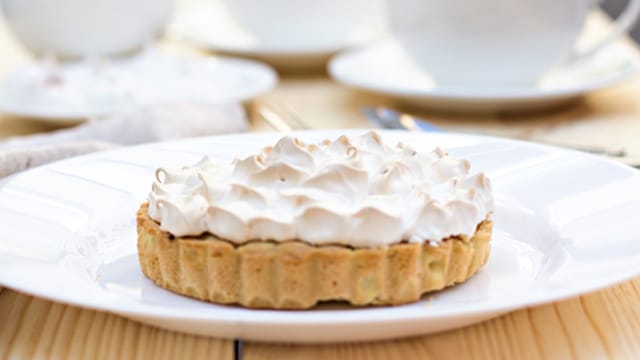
(384,68)
(207,24)
(81,90)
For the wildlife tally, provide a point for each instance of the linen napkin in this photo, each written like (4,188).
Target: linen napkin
(137,125)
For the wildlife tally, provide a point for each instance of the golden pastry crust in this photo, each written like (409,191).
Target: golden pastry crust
(297,275)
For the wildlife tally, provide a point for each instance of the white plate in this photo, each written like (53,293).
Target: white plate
(384,68)
(562,228)
(84,90)
(208,24)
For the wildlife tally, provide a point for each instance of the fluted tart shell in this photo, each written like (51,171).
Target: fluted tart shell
(298,275)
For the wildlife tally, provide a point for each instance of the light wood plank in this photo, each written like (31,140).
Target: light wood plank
(35,328)
(596,326)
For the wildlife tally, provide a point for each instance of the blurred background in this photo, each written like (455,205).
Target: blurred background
(614,8)
(121,72)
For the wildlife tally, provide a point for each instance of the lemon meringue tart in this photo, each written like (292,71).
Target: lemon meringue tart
(353,220)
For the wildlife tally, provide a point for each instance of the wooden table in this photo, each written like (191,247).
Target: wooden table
(604,324)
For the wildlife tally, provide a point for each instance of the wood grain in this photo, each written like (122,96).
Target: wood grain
(34,328)
(601,325)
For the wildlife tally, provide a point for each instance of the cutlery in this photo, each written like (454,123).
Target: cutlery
(282,118)
(392,119)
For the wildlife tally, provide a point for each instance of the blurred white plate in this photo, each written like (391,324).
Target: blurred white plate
(561,229)
(207,24)
(384,68)
(83,90)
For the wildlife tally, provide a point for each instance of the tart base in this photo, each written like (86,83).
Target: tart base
(297,275)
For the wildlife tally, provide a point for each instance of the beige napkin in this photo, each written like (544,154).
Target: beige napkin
(149,123)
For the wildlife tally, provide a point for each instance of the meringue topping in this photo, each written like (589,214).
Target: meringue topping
(358,192)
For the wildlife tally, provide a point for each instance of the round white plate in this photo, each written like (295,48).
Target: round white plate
(208,24)
(84,90)
(561,222)
(384,68)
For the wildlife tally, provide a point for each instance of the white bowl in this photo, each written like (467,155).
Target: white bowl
(77,28)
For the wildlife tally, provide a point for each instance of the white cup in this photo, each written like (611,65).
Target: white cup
(78,28)
(485,43)
(305,25)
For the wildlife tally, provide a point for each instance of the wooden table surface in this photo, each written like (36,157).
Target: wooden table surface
(604,324)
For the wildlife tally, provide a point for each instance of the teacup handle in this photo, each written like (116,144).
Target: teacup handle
(620,26)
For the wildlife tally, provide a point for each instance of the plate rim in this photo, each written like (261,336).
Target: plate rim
(336,68)
(268,80)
